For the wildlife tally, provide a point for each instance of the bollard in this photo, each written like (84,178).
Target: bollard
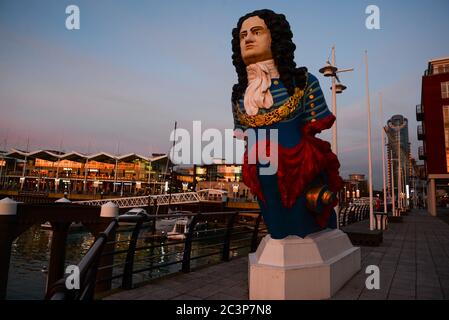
(109,210)
(8,207)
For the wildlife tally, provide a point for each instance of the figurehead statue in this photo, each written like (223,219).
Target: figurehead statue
(273,94)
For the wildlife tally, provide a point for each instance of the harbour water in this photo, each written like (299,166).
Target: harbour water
(29,261)
(31,251)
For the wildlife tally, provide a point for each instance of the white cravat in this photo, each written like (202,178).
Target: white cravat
(257,94)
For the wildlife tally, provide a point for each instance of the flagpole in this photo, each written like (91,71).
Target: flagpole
(370,164)
(383,152)
(393,200)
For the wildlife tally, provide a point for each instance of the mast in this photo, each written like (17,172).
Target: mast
(171,167)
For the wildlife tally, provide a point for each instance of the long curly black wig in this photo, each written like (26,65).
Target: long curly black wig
(282,49)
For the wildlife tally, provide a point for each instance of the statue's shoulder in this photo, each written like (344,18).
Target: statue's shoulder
(311,77)
(312,83)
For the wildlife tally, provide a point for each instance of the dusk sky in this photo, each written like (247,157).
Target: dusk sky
(135,67)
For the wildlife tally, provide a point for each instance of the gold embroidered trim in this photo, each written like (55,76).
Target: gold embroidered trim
(271,117)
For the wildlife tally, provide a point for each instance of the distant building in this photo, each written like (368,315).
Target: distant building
(77,173)
(418,183)
(398,147)
(354,187)
(433,112)
(223,176)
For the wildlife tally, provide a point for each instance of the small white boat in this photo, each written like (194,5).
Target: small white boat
(131,213)
(180,229)
(166,224)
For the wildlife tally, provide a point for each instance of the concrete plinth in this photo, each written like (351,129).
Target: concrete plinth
(314,267)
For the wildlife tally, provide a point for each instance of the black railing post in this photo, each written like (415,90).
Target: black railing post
(345,216)
(351,216)
(91,275)
(227,239)
(188,244)
(7,230)
(104,261)
(153,212)
(338,213)
(127,282)
(57,252)
(254,242)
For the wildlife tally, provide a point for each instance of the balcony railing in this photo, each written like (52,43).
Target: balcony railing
(422,153)
(421,132)
(419,112)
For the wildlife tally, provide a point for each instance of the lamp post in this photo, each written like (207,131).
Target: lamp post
(370,163)
(399,172)
(393,200)
(330,70)
(383,153)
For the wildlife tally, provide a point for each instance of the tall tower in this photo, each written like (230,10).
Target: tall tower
(396,127)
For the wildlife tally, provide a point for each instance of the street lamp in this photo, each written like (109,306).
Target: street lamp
(339,88)
(330,70)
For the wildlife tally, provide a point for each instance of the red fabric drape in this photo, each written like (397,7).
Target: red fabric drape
(299,166)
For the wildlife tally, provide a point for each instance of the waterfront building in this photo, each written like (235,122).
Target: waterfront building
(218,175)
(78,173)
(356,186)
(433,113)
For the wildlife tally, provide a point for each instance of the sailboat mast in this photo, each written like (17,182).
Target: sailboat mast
(171,167)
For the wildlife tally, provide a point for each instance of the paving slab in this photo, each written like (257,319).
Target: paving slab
(413,260)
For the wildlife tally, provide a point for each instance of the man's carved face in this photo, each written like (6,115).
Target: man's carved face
(255,41)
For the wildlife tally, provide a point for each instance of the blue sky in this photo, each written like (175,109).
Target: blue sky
(135,67)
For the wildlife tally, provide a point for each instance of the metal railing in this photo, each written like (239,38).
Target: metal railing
(163,199)
(356,213)
(352,214)
(421,152)
(228,228)
(419,108)
(88,268)
(419,112)
(421,131)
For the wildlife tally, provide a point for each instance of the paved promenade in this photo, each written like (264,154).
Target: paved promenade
(413,261)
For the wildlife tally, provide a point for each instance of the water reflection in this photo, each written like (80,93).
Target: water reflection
(31,253)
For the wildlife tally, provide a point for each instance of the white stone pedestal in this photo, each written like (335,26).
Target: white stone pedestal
(314,267)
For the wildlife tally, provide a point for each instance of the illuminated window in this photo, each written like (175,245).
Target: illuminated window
(446,133)
(445,90)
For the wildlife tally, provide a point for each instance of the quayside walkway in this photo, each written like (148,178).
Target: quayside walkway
(413,261)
